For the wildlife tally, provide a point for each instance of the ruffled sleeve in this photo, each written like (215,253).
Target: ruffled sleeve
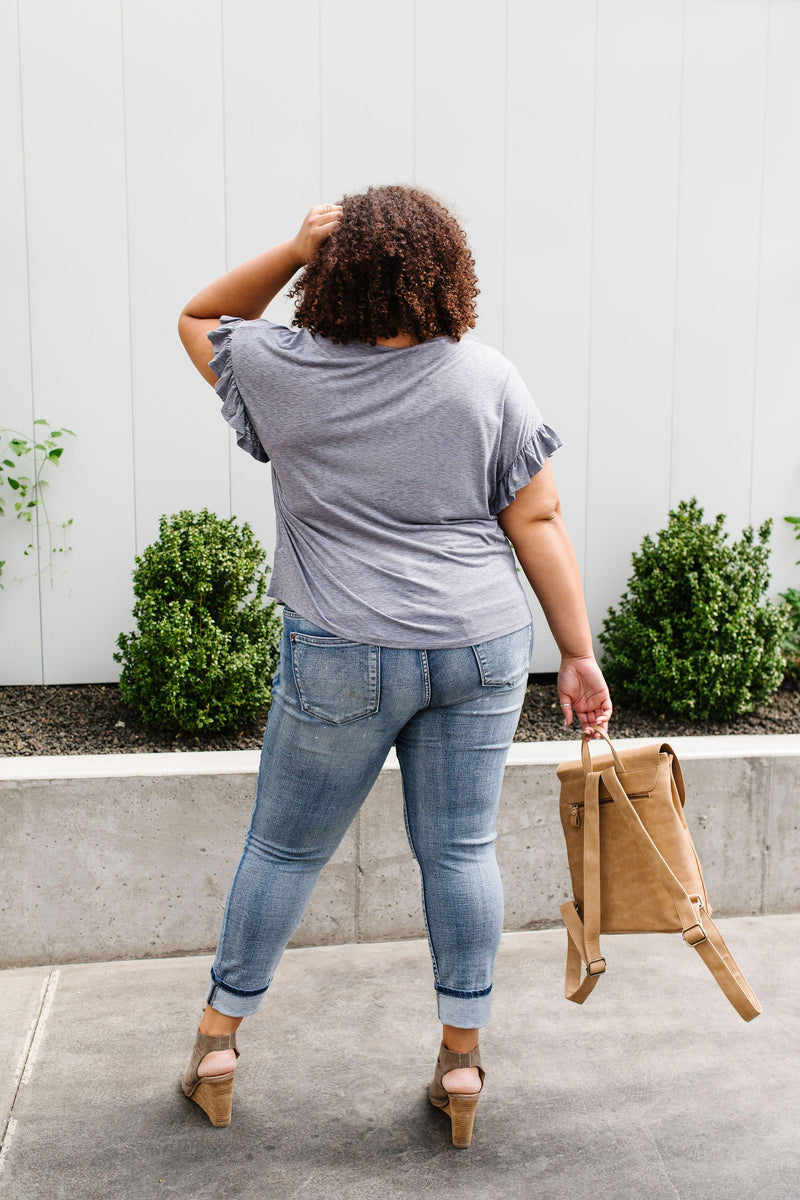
(226,387)
(531,458)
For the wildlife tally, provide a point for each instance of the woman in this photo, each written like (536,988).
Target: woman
(405,457)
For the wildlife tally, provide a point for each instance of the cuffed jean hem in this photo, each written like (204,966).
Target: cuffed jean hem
(465,1012)
(232,1005)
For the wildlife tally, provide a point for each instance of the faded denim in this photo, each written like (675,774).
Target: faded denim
(338,707)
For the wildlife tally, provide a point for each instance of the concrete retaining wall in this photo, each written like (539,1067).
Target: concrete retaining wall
(130,856)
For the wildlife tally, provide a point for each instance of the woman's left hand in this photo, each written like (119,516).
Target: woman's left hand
(318,224)
(583,693)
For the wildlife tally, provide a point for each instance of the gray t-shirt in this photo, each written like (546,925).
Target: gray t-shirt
(389,467)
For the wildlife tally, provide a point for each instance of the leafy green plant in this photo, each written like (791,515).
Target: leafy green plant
(791,598)
(693,634)
(18,452)
(207,645)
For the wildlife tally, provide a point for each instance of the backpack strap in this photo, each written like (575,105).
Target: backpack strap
(583,940)
(699,931)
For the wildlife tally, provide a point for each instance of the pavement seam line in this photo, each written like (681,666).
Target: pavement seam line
(28,1057)
(23,1058)
(8,1133)
(47,1004)
(665,1175)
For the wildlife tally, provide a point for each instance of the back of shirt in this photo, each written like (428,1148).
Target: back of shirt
(389,467)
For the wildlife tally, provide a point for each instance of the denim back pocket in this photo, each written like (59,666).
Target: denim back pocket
(336,680)
(505,660)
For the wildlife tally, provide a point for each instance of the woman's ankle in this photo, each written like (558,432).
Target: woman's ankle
(217,1024)
(460,1041)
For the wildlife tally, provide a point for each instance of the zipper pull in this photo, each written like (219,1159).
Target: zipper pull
(575,819)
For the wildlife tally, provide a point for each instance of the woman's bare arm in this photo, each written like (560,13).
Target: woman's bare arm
(248,289)
(534,526)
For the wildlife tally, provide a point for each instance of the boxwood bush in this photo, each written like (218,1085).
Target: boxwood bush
(206,646)
(693,634)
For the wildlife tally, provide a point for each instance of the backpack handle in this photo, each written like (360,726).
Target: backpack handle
(586,756)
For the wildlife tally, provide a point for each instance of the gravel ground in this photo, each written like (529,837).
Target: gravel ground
(91,719)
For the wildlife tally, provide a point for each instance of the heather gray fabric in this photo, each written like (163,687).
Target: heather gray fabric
(389,467)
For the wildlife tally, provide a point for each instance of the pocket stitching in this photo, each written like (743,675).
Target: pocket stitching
(314,639)
(374,670)
(483,667)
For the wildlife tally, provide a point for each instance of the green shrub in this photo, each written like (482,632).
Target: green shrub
(207,645)
(791,641)
(693,634)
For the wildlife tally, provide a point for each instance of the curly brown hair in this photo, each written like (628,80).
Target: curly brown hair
(398,262)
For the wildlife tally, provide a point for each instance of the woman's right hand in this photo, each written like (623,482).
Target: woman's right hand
(583,693)
(318,224)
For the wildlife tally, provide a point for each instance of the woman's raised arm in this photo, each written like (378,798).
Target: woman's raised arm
(247,290)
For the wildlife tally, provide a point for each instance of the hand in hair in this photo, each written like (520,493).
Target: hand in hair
(318,224)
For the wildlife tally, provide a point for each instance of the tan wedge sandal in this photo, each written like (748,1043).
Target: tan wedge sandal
(459,1107)
(213,1093)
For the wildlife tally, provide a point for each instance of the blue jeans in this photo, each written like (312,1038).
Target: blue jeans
(337,708)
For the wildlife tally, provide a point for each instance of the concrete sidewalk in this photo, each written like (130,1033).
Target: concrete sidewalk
(655,1089)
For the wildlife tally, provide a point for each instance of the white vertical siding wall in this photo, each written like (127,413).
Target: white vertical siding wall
(775,470)
(20,628)
(175,196)
(628,173)
(716,309)
(79,319)
(548,217)
(634,240)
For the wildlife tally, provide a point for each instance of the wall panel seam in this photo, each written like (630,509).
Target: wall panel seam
(127,217)
(414,92)
(35,528)
(223,89)
(589,357)
(759,259)
(504,235)
(678,192)
(225,207)
(319,98)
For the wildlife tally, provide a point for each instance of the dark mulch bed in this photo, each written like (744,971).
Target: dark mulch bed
(91,719)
